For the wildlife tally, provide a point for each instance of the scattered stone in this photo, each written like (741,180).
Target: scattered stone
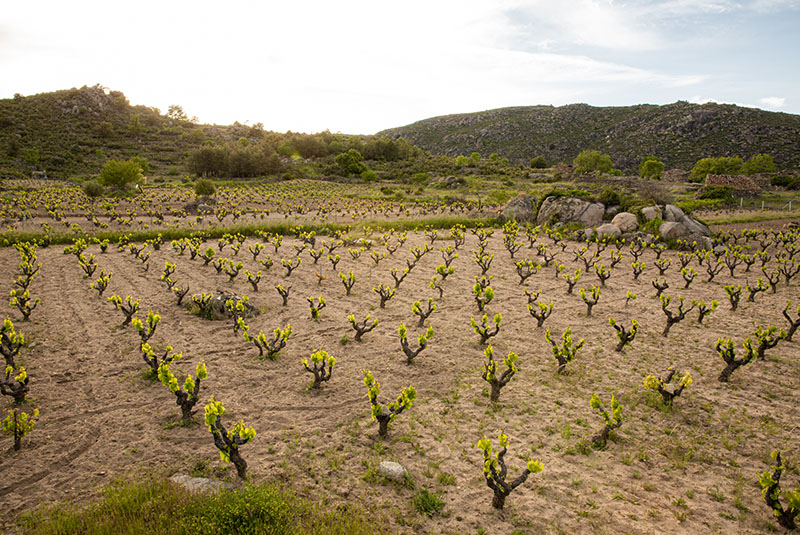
(202,484)
(392,471)
(671,230)
(625,222)
(608,229)
(651,212)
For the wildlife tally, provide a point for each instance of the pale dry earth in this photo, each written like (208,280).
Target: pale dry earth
(692,469)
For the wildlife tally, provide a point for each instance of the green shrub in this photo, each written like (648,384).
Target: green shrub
(715,192)
(716,166)
(93,189)
(786,181)
(351,163)
(651,167)
(589,161)
(120,174)
(652,226)
(609,197)
(369,175)
(427,503)
(203,187)
(538,162)
(143,164)
(759,163)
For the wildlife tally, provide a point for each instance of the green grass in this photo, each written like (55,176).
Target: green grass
(159,507)
(427,503)
(250,230)
(767,215)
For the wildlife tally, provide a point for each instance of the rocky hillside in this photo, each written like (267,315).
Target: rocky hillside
(679,133)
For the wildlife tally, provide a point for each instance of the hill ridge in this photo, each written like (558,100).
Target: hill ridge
(679,133)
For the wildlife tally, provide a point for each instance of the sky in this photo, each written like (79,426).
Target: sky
(358,67)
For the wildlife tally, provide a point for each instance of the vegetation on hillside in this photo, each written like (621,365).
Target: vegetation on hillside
(678,134)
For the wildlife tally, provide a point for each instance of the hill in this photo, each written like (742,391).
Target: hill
(679,134)
(73,132)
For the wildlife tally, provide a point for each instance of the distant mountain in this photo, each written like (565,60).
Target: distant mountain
(679,133)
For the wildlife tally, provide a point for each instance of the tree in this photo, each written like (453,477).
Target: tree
(716,166)
(651,167)
(121,174)
(176,113)
(351,162)
(590,161)
(759,163)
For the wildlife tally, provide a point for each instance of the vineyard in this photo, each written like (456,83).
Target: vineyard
(528,379)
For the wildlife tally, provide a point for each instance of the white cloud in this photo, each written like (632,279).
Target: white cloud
(356,66)
(773,102)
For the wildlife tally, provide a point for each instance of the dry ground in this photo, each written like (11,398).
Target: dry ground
(691,469)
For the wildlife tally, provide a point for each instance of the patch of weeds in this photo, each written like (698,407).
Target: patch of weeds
(427,503)
(444,478)
(716,494)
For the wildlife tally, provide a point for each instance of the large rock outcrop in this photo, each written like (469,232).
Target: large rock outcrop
(570,210)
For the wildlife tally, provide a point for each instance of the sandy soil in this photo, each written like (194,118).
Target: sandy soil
(692,469)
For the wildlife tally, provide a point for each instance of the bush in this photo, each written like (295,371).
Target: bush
(538,162)
(144,165)
(351,163)
(609,197)
(120,174)
(93,189)
(786,181)
(369,175)
(716,192)
(759,163)
(590,161)
(716,166)
(651,167)
(204,187)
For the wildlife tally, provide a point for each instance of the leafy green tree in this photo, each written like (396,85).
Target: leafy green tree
(351,162)
(759,163)
(590,161)
(651,167)
(716,166)
(120,174)
(475,157)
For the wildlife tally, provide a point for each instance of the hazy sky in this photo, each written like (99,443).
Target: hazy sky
(362,66)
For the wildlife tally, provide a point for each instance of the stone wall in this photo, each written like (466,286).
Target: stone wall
(736,182)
